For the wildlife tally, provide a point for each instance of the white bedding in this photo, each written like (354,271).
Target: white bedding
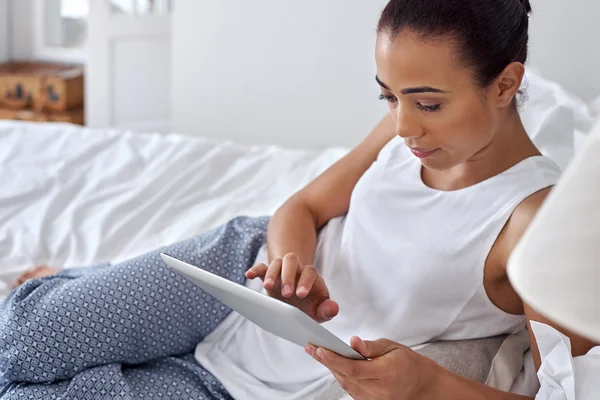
(71,196)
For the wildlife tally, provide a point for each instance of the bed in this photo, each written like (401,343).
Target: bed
(72,196)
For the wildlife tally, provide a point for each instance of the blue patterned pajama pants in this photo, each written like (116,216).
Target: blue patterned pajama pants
(123,331)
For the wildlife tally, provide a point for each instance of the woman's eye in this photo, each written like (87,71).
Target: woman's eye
(389,99)
(433,108)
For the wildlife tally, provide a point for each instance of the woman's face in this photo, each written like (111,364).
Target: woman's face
(442,114)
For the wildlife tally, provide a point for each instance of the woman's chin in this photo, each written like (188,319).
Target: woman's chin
(435,164)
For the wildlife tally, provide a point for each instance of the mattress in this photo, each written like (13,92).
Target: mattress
(71,196)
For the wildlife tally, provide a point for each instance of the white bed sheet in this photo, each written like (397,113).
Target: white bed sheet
(71,196)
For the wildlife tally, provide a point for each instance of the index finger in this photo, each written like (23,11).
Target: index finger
(355,369)
(289,272)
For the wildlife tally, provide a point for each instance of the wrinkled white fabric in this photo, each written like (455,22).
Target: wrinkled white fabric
(71,196)
(563,377)
(595,107)
(556,120)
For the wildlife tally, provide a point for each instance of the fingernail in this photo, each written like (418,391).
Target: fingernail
(269,281)
(309,350)
(287,289)
(324,317)
(320,354)
(302,290)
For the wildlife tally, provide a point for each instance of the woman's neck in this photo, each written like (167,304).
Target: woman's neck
(510,145)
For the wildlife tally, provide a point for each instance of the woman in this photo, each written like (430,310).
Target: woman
(409,236)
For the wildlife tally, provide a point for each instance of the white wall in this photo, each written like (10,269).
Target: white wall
(272,71)
(22,38)
(301,72)
(4,30)
(565,46)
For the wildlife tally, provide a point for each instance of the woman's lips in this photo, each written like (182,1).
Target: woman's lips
(422,153)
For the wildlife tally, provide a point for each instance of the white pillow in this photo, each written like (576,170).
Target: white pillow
(595,108)
(554,118)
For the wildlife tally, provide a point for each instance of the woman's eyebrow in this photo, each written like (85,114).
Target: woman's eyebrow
(421,89)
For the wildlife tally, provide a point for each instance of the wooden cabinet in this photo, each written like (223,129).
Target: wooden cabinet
(42,92)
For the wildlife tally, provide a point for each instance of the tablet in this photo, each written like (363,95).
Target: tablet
(272,315)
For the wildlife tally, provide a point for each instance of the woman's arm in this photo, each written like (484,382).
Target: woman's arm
(517,225)
(292,233)
(293,228)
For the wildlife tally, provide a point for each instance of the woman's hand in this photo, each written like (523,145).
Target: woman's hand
(393,371)
(299,285)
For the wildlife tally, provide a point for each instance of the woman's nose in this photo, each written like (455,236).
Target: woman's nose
(407,126)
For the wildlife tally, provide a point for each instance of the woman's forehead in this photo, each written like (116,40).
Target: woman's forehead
(410,60)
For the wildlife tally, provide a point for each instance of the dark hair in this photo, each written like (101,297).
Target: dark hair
(490,34)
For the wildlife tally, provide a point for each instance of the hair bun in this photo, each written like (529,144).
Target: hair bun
(526,5)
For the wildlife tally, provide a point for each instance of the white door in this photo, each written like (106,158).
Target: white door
(128,66)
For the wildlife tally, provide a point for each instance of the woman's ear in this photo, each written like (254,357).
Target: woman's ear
(508,83)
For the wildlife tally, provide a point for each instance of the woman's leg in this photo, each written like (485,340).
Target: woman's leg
(180,378)
(132,312)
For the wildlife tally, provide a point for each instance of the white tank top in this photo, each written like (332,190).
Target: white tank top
(406,263)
